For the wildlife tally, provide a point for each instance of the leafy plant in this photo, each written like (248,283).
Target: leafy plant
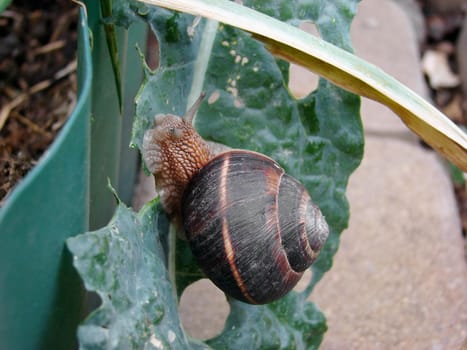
(340,67)
(317,139)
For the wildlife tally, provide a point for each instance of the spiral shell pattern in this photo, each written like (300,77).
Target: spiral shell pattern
(252,227)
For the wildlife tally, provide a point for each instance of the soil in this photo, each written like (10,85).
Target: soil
(37,82)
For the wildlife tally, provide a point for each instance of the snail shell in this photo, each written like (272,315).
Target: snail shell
(252,228)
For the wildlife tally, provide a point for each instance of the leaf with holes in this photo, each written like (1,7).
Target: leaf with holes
(317,139)
(124,264)
(289,323)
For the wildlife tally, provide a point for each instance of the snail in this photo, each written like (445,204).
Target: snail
(252,228)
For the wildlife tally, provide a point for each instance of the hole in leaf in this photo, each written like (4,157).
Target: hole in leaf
(304,281)
(152,51)
(144,190)
(203,310)
(93,302)
(302,82)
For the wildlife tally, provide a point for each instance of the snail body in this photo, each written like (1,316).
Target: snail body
(252,228)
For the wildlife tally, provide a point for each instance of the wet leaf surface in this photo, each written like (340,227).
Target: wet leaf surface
(124,263)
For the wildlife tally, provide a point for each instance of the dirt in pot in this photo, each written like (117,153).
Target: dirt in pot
(37,82)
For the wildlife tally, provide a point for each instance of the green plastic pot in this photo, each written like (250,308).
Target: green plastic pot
(42,299)
(41,296)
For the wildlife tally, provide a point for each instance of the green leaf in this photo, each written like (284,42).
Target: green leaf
(124,264)
(318,139)
(167,89)
(342,68)
(187,270)
(125,12)
(288,323)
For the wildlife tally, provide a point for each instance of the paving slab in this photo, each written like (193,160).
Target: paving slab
(399,280)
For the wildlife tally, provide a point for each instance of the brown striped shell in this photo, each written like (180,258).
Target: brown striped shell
(252,227)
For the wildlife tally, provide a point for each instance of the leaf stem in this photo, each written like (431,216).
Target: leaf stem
(171,258)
